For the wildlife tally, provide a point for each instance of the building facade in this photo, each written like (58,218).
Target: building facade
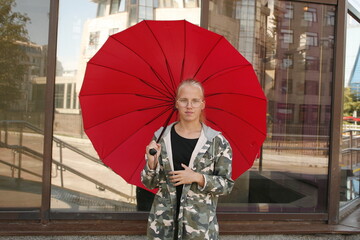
(308,169)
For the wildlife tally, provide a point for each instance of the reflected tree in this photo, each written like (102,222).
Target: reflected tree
(351,103)
(12,54)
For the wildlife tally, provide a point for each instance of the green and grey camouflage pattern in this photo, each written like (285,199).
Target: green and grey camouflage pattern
(211,157)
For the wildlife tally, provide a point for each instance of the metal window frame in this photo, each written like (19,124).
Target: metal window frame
(49,111)
(46,217)
(336,114)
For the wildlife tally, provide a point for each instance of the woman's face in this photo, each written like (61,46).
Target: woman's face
(190,103)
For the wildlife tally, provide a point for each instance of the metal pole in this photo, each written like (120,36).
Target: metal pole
(61,168)
(20,149)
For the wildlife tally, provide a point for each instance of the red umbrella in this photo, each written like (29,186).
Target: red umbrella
(129,92)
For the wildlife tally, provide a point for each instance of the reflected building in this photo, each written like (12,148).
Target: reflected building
(117,15)
(112,16)
(301,99)
(32,92)
(290,46)
(354,82)
(243,24)
(294,41)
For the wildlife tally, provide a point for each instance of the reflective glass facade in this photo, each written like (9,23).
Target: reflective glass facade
(23,60)
(350,162)
(292,47)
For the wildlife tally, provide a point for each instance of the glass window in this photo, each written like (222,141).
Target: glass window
(146,9)
(133,15)
(310,14)
(287,35)
(311,63)
(113,31)
(80,181)
(149,13)
(308,39)
(288,61)
(101,11)
(330,18)
(117,6)
(289,11)
(349,161)
(68,95)
(122,6)
(59,95)
(74,105)
(191,3)
(94,40)
(23,58)
(114,6)
(285,112)
(142,14)
(292,173)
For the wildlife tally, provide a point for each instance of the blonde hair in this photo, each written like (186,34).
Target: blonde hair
(194,83)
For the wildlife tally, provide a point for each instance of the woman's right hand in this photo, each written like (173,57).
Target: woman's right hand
(152,160)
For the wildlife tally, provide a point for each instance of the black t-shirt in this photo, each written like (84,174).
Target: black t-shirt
(182,149)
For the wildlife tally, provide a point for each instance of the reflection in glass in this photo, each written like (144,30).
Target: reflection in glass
(101,8)
(349,163)
(80,181)
(117,6)
(23,61)
(290,45)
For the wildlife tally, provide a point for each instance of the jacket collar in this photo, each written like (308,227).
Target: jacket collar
(208,132)
(207,135)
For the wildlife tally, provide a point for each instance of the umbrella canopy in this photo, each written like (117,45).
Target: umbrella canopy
(130,85)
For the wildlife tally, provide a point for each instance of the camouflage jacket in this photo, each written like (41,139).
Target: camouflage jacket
(197,216)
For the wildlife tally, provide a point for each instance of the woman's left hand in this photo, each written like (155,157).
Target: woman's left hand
(186,176)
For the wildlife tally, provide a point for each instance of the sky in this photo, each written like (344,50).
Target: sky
(38,12)
(352,48)
(355,3)
(72,16)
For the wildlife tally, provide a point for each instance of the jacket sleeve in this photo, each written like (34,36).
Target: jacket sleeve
(220,182)
(149,177)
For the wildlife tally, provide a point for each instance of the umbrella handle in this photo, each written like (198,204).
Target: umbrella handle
(152,151)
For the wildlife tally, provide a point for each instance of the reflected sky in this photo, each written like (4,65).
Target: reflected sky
(38,12)
(352,46)
(72,16)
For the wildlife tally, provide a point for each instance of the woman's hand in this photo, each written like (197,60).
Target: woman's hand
(186,176)
(153,160)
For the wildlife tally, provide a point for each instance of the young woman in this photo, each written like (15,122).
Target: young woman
(192,168)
